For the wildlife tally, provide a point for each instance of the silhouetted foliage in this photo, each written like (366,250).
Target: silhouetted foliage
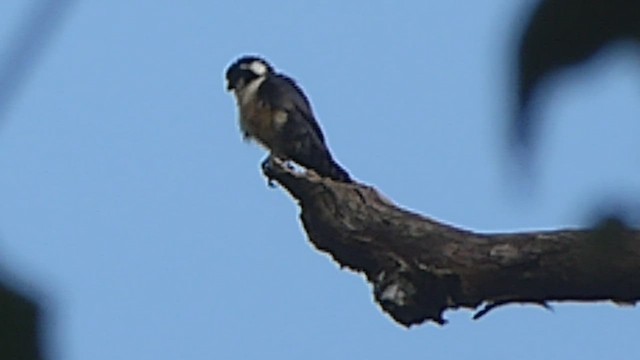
(20,316)
(30,40)
(19,323)
(562,34)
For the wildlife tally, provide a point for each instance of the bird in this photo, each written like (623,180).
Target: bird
(274,112)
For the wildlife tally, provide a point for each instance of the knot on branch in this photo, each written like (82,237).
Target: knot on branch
(408,304)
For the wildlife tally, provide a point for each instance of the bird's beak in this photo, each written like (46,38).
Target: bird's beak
(229,86)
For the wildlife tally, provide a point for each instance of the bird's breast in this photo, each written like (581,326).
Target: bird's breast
(260,122)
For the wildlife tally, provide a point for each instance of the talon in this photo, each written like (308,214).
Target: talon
(267,164)
(267,167)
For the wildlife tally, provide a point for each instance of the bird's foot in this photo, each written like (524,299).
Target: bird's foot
(267,168)
(273,165)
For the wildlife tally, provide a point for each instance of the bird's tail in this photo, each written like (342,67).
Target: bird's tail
(315,155)
(334,171)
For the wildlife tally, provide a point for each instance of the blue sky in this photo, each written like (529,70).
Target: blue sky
(129,199)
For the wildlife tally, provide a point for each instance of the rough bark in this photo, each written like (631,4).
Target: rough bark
(419,267)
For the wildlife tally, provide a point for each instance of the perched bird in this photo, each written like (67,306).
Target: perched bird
(274,111)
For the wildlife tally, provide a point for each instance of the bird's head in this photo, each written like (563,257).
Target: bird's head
(246,69)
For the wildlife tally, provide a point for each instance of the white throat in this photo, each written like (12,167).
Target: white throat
(248,92)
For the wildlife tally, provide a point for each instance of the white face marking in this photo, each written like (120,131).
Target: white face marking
(248,92)
(257,67)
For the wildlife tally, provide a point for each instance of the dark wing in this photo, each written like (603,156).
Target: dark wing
(281,92)
(300,138)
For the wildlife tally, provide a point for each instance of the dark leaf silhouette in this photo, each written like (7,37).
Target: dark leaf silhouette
(562,34)
(20,315)
(19,322)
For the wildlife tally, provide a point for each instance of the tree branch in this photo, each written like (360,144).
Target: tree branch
(419,267)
